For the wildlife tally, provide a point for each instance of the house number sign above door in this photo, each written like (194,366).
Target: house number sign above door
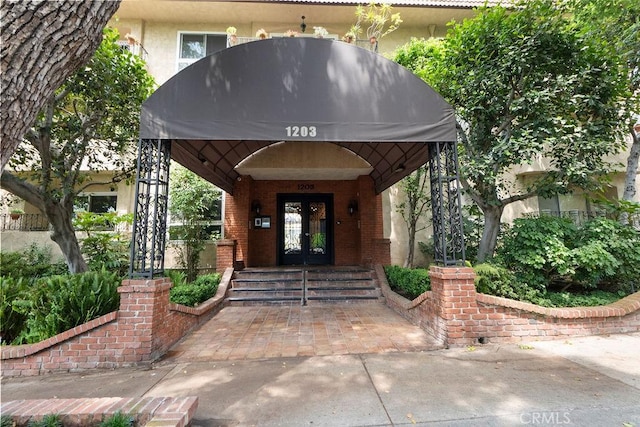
(302,131)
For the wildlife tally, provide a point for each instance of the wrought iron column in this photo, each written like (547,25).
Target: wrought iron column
(150,211)
(446,204)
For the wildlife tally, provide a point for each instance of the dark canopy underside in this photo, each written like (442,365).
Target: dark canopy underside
(229,105)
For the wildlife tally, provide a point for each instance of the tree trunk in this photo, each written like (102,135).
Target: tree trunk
(57,214)
(64,235)
(408,263)
(492,216)
(632,168)
(43,43)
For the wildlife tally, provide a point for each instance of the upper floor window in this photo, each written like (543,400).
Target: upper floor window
(194,46)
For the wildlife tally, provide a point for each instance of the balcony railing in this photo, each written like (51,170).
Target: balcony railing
(580,217)
(24,222)
(39,222)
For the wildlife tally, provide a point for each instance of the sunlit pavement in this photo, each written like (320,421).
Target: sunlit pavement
(590,381)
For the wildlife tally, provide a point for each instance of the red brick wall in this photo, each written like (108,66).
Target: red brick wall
(143,329)
(237,215)
(147,324)
(456,315)
(358,237)
(504,320)
(225,254)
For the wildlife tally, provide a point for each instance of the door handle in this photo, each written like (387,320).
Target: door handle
(307,234)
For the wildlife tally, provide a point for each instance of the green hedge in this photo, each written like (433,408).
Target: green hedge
(496,280)
(408,282)
(30,264)
(197,292)
(548,251)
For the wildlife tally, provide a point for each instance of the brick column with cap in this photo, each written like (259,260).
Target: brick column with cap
(144,319)
(454,295)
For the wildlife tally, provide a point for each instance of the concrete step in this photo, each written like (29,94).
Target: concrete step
(298,286)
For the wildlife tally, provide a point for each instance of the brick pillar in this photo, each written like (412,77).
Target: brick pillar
(383,251)
(374,248)
(143,324)
(237,217)
(225,254)
(454,294)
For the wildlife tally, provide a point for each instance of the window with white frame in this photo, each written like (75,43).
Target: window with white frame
(96,202)
(194,46)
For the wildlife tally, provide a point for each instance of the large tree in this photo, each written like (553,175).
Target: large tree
(617,24)
(42,43)
(90,124)
(527,85)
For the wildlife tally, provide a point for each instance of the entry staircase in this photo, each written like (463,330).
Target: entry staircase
(303,286)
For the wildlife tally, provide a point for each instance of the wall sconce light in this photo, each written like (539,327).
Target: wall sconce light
(353,207)
(303,26)
(255,207)
(400,168)
(203,160)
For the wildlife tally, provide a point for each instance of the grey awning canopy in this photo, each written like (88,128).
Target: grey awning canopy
(231,104)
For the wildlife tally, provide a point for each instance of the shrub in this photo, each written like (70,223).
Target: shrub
(408,282)
(568,299)
(102,247)
(200,290)
(496,280)
(548,250)
(30,263)
(178,277)
(535,250)
(106,250)
(621,244)
(58,303)
(12,321)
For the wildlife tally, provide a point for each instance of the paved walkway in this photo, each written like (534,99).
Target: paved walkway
(592,381)
(289,331)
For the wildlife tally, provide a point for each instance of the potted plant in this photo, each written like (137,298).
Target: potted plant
(232,35)
(349,37)
(261,34)
(320,32)
(15,213)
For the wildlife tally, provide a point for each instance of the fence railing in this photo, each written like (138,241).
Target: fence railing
(580,217)
(39,222)
(24,222)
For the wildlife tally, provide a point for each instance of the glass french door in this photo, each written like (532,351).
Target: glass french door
(305,229)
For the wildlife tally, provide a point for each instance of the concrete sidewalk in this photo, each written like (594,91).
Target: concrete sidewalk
(592,381)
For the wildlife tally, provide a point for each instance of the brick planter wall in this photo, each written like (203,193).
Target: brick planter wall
(142,330)
(456,315)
